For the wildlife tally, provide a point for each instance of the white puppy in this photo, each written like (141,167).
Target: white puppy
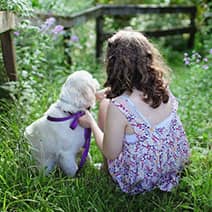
(54,142)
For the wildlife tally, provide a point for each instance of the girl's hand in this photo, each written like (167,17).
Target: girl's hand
(101,94)
(87,120)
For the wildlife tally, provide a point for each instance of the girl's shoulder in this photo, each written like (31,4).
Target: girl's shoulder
(123,104)
(121,101)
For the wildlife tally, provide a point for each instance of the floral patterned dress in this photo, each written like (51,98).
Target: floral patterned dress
(151,157)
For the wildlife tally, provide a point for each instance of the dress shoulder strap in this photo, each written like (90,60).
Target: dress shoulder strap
(174,101)
(125,108)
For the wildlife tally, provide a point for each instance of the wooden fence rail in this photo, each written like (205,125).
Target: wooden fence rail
(72,20)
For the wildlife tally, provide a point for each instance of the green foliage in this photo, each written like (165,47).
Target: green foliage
(118,2)
(203,36)
(198,81)
(163,2)
(121,2)
(20,7)
(62,7)
(3,76)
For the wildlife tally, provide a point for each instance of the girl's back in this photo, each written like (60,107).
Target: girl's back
(153,116)
(155,147)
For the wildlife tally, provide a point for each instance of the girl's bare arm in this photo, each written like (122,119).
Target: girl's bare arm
(109,142)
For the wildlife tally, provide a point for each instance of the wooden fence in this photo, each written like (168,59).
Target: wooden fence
(7,24)
(99,12)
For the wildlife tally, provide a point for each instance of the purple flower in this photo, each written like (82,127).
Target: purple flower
(16,33)
(210,51)
(198,60)
(187,62)
(50,21)
(205,67)
(59,29)
(74,38)
(47,24)
(205,59)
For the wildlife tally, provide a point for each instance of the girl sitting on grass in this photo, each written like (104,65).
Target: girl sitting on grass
(143,141)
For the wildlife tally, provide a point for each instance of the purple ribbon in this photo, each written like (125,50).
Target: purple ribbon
(73,125)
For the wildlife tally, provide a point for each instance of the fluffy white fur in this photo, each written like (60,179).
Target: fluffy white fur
(54,142)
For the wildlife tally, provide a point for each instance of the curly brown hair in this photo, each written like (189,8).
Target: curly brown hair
(133,62)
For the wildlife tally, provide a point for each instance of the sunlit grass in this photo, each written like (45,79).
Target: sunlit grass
(23,188)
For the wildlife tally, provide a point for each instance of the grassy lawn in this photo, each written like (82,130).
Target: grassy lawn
(22,188)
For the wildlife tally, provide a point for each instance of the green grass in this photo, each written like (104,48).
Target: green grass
(23,188)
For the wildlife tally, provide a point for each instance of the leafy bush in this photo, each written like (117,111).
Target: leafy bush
(20,7)
(62,7)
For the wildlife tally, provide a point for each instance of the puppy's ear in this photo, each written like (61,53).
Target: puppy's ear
(69,99)
(78,92)
(88,97)
(86,89)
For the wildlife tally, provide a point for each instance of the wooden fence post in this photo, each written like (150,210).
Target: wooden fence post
(193,29)
(99,36)
(8,52)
